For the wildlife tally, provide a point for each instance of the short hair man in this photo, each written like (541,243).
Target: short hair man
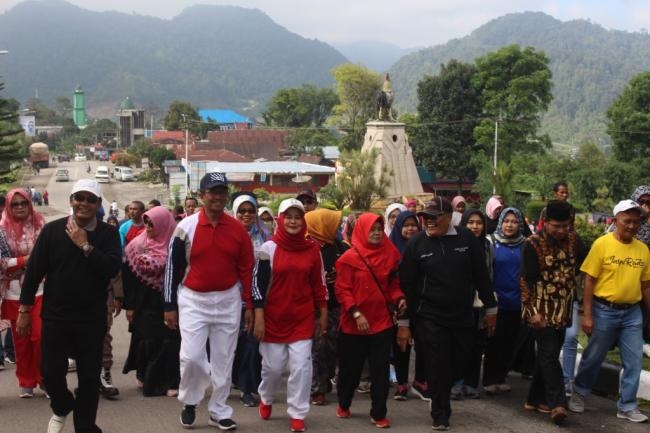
(561,193)
(549,263)
(76,256)
(209,272)
(191,204)
(135,225)
(617,279)
(308,199)
(442,267)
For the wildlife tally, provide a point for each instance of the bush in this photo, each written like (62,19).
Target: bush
(534,209)
(588,232)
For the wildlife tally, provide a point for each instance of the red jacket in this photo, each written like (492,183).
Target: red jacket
(357,287)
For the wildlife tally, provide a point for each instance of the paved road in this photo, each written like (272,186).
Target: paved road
(132,412)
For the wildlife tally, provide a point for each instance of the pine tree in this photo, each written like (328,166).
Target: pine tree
(11,150)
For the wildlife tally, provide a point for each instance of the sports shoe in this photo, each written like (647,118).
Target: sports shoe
(172,393)
(319,399)
(380,423)
(297,424)
(541,408)
(401,393)
(106,387)
(222,424)
(558,414)
(248,400)
(56,424)
(265,410)
(576,403)
(440,427)
(26,393)
(10,358)
(342,413)
(363,388)
(646,350)
(421,390)
(188,415)
(72,365)
(633,415)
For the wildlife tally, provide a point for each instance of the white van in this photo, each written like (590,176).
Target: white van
(125,174)
(102,175)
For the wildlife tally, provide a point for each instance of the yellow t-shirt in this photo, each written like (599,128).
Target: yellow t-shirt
(619,268)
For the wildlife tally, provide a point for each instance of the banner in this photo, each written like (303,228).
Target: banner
(29,125)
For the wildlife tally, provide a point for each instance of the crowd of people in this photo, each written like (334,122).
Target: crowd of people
(216,298)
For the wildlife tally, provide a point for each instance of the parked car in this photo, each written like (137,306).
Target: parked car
(102,175)
(80,157)
(64,158)
(125,174)
(62,175)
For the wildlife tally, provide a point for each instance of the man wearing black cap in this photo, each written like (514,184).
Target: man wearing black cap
(442,267)
(548,288)
(308,199)
(209,272)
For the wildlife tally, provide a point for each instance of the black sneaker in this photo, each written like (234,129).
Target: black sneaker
(106,388)
(223,424)
(188,415)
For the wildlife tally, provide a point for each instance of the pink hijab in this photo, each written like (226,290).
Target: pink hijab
(20,236)
(146,255)
(493,208)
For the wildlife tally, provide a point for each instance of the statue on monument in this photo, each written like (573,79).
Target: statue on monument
(385,100)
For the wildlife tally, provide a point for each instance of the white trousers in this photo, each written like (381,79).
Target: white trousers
(213,316)
(275,357)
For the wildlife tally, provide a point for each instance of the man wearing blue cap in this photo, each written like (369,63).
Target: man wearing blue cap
(209,272)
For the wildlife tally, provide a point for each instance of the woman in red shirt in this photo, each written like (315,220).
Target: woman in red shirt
(289,282)
(367,287)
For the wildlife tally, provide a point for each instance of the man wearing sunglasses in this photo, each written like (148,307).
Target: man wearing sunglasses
(76,256)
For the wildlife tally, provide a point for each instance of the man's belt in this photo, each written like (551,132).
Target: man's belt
(614,305)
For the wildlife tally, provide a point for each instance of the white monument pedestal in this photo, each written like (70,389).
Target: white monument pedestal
(395,154)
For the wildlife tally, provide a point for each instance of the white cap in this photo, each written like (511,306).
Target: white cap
(289,203)
(89,185)
(625,205)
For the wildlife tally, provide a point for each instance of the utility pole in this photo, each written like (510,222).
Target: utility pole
(496,146)
(187,160)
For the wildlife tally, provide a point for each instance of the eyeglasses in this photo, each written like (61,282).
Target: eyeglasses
(88,198)
(246,211)
(23,203)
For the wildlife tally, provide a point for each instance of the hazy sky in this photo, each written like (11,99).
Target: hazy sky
(403,22)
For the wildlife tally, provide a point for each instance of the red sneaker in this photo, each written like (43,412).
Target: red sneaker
(265,410)
(381,423)
(297,424)
(342,413)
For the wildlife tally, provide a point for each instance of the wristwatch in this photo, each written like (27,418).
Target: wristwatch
(356,314)
(85,247)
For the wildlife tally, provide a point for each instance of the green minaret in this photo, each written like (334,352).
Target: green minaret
(79,112)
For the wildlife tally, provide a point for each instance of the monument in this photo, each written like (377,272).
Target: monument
(394,152)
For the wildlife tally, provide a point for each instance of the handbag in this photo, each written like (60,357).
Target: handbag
(392,309)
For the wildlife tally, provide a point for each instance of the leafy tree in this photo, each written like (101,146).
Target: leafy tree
(310,141)
(159,155)
(357,88)
(448,109)
(142,148)
(300,107)
(629,120)
(63,106)
(45,115)
(10,139)
(515,89)
(332,195)
(357,180)
(182,115)
(603,201)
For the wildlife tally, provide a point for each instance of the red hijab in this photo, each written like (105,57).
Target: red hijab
(290,242)
(382,257)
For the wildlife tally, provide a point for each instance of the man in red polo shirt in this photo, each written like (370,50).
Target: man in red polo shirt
(209,271)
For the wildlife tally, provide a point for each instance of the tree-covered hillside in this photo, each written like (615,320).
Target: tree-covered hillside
(590,67)
(209,55)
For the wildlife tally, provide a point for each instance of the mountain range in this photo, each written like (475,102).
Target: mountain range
(232,57)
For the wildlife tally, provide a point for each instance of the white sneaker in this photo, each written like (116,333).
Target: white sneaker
(72,364)
(56,424)
(646,350)
(633,415)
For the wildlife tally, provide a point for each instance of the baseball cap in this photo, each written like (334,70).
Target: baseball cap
(436,207)
(213,180)
(625,205)
(88,185)
(308,193)
(289,203)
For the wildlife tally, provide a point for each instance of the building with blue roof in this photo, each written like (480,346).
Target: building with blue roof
(227,119)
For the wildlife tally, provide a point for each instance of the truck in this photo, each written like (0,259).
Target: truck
(39,155)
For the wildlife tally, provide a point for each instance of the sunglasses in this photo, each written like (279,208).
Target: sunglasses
(23,203)
(246,211)
(88,198)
